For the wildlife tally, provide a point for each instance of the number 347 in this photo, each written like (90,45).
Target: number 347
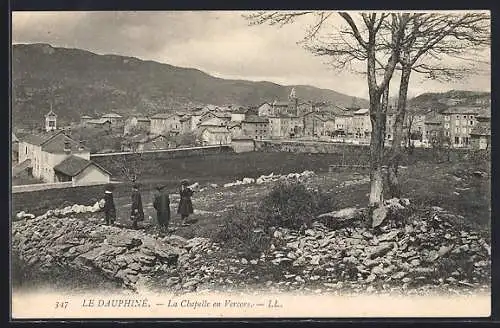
(61,305)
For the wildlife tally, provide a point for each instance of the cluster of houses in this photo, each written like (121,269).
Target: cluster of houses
(53,156)
(464,126)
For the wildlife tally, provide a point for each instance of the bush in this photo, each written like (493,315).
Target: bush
(292,205)
(242,229)
(288,205)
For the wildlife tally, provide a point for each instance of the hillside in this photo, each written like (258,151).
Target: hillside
(442,101)
(79,82)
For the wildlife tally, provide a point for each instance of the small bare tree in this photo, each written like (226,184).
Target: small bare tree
(129,165)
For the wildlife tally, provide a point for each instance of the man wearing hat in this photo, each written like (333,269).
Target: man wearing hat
(161,204)
(137,212)
(185,204)
(109,205)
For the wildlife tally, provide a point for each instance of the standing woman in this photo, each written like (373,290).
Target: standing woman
(137,212)
(161,203)
(185,204)
(109,205)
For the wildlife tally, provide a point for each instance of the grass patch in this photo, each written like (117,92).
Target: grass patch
(289,205)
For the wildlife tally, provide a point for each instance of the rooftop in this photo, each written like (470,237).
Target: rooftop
(462,110)
(162,116)
(281,103)
(362,111)
(74,165)
(99,121)
(40,138)
(111,115)
(51,113)
(255,119)
(58,144)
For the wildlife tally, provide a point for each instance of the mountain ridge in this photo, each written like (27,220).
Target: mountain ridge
(76,82)
(79,82)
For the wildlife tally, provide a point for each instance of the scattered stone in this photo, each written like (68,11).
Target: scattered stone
(378,216)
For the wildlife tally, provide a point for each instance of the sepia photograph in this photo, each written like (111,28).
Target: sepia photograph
(250,164)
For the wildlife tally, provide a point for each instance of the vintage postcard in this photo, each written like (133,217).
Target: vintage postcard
(225,164)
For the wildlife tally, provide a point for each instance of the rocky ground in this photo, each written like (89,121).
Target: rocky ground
(418,247)
(426,253)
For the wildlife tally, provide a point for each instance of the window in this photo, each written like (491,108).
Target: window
(458,116)
(457,122)
(447,133)
(446,118)
(447,125)
(471,122)
(457,140)
(465,116)
(26,151)
(457,130)
(464,130)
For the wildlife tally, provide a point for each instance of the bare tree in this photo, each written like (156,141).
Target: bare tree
(430,41)
(359,40)
(129,165)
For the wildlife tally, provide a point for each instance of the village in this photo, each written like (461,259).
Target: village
(61,153)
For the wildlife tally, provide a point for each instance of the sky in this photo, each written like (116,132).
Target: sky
(222,44)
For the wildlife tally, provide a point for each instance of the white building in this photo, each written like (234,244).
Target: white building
(41,154)
(50,121)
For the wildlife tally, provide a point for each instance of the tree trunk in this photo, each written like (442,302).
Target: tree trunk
(396,149)
(377,118)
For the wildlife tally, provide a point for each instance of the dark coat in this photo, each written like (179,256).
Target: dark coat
(161,204)
(185,204)
(109,205)
(137,205)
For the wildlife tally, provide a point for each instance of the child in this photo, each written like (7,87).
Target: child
(185,205)
(109,206)
(137,212)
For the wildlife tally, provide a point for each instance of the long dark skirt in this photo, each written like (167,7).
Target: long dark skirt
(163,218)
(185,207)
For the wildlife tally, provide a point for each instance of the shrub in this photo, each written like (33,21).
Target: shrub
(242,229)
(292,205)
(289,205)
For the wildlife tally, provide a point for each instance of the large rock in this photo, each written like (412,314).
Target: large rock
(340,218)
(378,216)
(380,250)
(89,259)
(123,240)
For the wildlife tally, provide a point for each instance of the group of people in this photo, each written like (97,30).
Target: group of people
(161,204)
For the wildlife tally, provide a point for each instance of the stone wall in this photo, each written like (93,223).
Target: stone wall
(78,241)
(315,147)
(104,159)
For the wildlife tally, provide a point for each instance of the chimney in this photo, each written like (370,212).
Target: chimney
(67,147)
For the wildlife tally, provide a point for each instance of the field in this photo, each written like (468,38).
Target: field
(448,185)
